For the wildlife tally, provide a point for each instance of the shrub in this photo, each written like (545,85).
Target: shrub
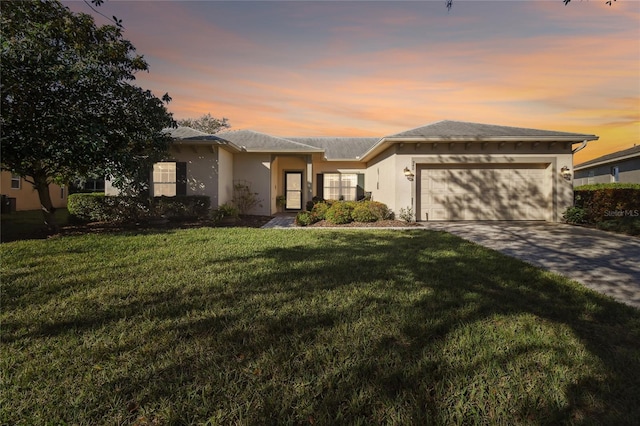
(305,218)
(340,212)
(381,210)
(244,198)
(320,210)
(607,201)
(182,206)
(575,215)
(407,214)
(87,207)
(96,207)
(364,213)
(223,211)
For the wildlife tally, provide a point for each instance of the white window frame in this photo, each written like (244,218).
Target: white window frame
(165,179)
(347,186)
(16,181)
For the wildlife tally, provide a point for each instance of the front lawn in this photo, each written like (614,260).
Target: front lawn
(254,326)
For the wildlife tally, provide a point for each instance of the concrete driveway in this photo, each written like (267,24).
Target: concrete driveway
(605,262)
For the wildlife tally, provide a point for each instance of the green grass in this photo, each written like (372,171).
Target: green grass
(28,224)
(252,326)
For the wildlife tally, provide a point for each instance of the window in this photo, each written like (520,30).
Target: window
(590,178)
(169,179)
(15,181)
(94,185)
(342,186)
(615,174)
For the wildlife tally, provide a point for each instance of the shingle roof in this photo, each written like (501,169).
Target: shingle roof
(337,148)
(633,152)
(256,141)
(462,129)
(187,133)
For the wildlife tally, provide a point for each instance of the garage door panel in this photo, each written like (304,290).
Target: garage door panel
(484,192)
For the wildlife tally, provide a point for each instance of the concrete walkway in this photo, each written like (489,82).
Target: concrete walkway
(605,262)
(281,220)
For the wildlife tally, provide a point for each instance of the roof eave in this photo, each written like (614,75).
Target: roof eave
(207,142)
(603,162)
(388,141)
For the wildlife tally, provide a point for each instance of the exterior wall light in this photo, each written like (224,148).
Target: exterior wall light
(408,174)
(566,173)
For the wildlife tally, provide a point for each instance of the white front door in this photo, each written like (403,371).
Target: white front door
(293,190)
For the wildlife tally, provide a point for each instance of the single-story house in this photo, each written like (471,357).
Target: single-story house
(448,170)
(18,194)
(621,166)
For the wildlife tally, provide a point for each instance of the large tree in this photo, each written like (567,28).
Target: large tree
(69,107)
(206,123)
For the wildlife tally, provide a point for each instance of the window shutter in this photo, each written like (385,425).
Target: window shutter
(320,186)
(181,178)
(360,188)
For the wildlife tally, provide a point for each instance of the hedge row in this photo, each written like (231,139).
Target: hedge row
(342,212)
(607,201)
(96,207)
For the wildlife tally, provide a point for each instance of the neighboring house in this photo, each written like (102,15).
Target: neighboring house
(18,194)
(449,170)
(622,166)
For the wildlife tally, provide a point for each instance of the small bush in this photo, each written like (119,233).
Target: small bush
(320,210)
(340,212)
(244,198)
(381,210)
(575,215)
(406,214)
(364,213)
(305,218)
(87,207)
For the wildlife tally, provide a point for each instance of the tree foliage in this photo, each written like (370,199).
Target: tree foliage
(69,108)
(206,123)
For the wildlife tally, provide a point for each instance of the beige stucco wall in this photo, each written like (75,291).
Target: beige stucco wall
(225,178)
(255,169)
(393,188)
(386,182)
(27,197)
(202,170)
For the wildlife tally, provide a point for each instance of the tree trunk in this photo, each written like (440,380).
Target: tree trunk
(42,186)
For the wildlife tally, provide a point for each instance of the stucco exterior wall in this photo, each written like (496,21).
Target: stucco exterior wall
(381,179)
(255,170)
(629,172)
(225,177)
(202,170)
(27,197)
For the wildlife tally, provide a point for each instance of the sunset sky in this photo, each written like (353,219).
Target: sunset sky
(311,68)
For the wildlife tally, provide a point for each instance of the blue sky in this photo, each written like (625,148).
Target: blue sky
(375,68)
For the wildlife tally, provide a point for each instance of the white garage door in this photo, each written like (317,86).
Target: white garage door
(484,192)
